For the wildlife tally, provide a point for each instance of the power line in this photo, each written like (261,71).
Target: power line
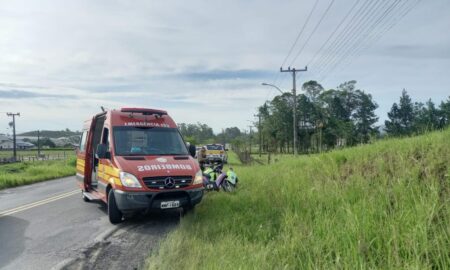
(314,30)
(311,34)
(300,33)
(362,30)
(351,31)
(297,39)
(384,29)
(343,34)
(361,40)
(334,32)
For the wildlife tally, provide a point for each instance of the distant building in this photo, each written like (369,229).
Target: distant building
(24,145)
(7,143)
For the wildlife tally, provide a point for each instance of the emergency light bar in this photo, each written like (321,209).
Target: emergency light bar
(144,111)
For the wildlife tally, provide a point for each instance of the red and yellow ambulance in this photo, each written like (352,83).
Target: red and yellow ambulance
(135,159)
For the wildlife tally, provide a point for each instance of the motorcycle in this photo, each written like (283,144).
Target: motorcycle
(214,178)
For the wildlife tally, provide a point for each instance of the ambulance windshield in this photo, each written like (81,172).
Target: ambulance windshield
(143,141)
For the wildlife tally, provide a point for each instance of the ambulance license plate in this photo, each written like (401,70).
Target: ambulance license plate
(170,204)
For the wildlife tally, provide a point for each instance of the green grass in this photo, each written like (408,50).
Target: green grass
(34,152)
(24,173)
(380,206)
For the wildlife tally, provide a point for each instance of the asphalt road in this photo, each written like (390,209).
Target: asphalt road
(48,226)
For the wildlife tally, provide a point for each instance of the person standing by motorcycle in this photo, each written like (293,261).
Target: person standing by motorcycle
(201,157)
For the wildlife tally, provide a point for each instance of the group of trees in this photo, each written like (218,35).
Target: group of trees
(408,118)
(327,118)
(339,117)
(202,134)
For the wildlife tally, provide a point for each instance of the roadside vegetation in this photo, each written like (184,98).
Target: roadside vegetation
(23,173)
(382,206)
(56,152)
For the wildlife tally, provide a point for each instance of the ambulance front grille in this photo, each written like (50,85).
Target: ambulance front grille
(167,182)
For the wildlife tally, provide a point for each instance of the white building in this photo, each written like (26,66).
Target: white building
(7,143)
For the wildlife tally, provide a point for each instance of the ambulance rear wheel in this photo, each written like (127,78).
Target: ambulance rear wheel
(114,214)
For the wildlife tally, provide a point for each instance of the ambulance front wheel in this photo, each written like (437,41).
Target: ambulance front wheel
(188,208)
(114,214)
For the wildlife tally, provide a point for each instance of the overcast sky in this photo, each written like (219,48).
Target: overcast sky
(204,61)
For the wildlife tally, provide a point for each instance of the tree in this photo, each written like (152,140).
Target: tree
(401,117)
(200,133)
(426,117)
(47,142)
(365,117)
(444,113)
(312,90)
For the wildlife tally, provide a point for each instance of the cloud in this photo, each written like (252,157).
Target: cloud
(225,74)
(61,60)
(432,51)
(22,94)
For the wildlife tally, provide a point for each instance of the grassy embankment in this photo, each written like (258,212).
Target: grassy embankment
(24,173)
(382,206)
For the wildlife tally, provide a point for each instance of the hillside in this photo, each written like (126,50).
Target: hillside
(50,133)
(381,206)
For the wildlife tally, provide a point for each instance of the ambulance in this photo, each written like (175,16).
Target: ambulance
(135,159)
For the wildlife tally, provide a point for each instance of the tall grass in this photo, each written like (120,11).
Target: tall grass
(23,173)
(381,206)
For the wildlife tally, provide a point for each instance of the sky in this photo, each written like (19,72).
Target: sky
(204,61)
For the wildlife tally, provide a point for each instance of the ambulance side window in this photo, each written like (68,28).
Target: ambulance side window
(83,141)
(105,139)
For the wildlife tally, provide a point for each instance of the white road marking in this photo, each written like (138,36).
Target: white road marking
(38,203)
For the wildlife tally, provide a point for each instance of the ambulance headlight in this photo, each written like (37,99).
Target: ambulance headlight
(129,180)
(198,178)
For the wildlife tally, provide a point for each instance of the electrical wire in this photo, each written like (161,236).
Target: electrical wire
(351,50)
(313,32)
(334,32)
(296,40)
(351,31)
(373,39)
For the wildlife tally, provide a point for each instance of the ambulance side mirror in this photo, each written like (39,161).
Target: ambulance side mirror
(102,151)
(192,150)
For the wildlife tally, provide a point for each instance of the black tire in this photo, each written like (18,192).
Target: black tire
(187,209)
(227,186)
(114,214)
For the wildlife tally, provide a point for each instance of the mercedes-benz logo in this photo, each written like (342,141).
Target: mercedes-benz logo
(169,182)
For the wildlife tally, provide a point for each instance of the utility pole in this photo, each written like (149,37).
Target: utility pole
(260,133)
(250,139)
(294,93)
(39,144)
(13,115)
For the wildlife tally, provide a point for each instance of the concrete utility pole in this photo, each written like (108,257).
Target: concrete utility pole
(39,143)
(294,93)
(13,115)
(260,133)
(250,138)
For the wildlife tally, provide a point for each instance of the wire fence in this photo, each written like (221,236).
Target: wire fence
(32,156)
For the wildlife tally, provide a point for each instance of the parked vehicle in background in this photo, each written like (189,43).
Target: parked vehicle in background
(216,152)
(135,159)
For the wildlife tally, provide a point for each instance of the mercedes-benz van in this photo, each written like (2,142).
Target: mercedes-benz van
(135,159)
